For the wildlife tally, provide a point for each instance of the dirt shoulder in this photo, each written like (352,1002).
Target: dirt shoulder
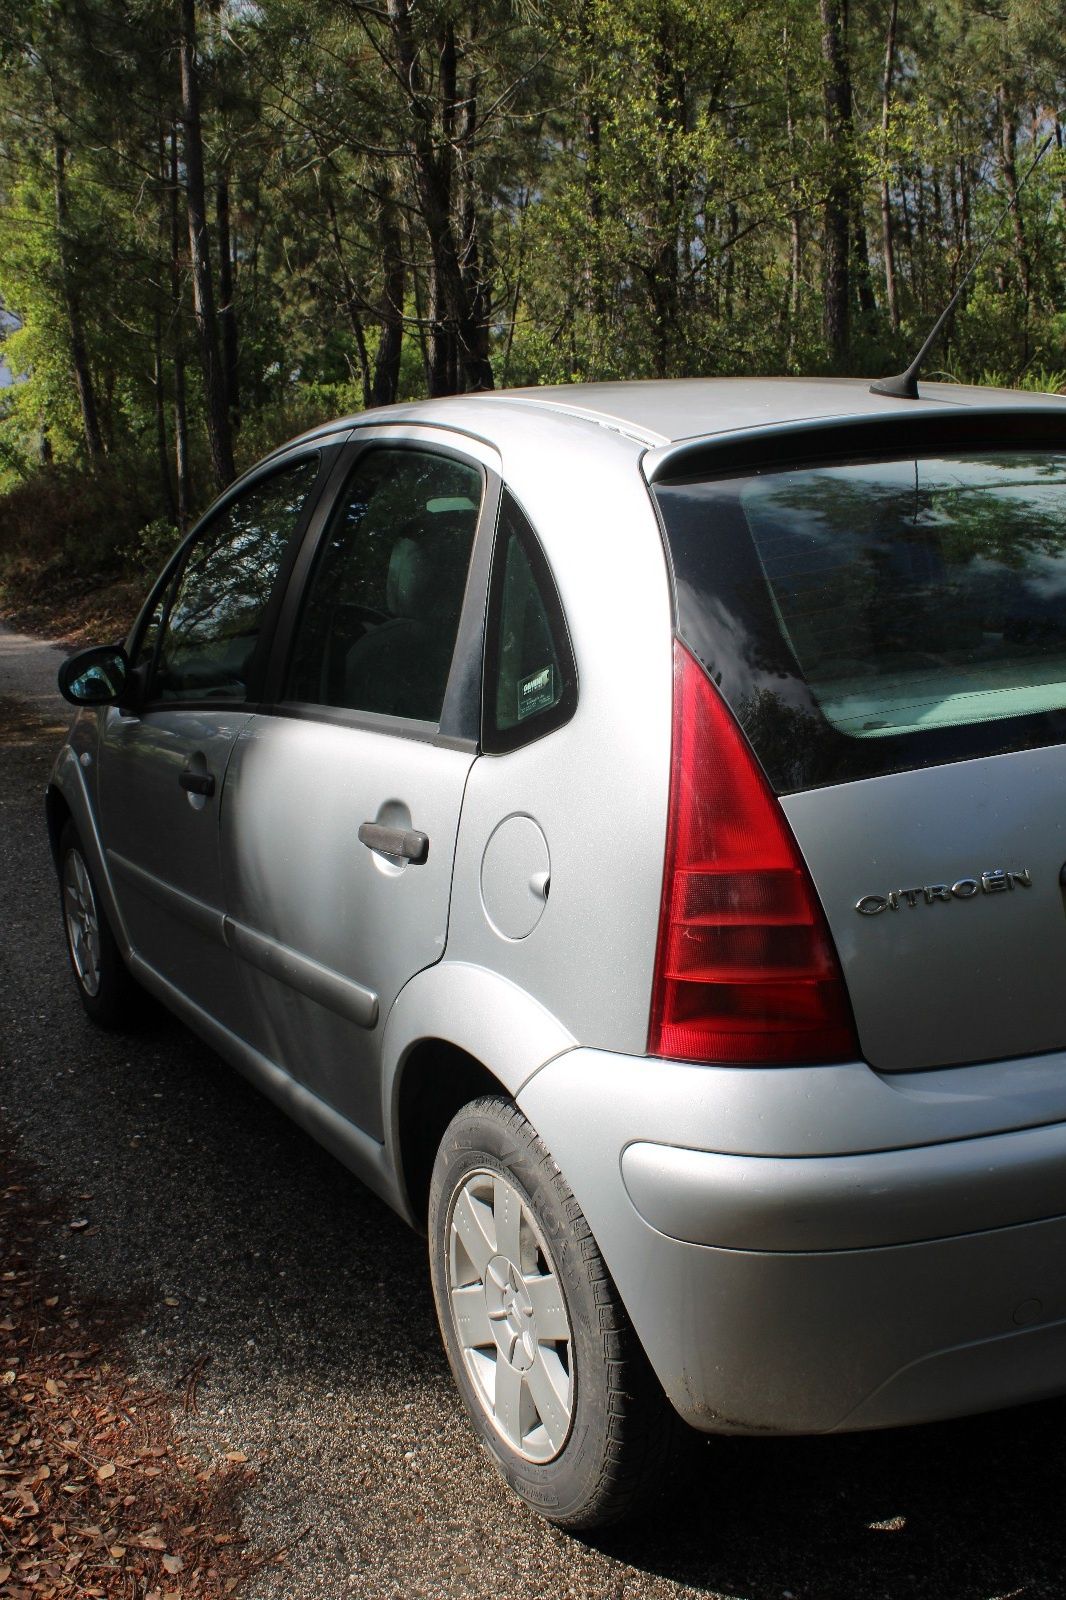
(73,613)
(102,1491)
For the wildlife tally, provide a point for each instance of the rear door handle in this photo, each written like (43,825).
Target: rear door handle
(406,842)
(198,782)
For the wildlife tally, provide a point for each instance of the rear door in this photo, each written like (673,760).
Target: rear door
(343,802)
(891,633)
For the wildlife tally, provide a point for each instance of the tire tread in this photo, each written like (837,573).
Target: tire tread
(643,1432)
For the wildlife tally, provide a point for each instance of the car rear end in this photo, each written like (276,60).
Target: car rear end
(833,1194)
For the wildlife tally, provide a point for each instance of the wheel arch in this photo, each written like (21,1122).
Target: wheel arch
(66,800)
(437,1080)
(455,1032)
(57,814)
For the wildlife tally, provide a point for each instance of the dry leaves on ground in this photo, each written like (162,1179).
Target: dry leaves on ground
(98,1495)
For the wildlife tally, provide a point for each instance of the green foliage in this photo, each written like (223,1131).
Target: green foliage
(147,552)
(625,190)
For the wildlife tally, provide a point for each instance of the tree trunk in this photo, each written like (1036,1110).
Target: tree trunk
(922,258)
(966,215)
(227,310)
(218,424)
(473,256)
(888,245)
(670,112)
(863,274)
(386,382)
(79,354)
(181,424)
(351,299)
(1008,162)
(838,200)
(456,355)
(160,407)
(795,262)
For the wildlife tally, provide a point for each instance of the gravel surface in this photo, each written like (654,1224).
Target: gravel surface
(220,1231)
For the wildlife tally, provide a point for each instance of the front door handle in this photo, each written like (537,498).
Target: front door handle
(406,842)
(198,782)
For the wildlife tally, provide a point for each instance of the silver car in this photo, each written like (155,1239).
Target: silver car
(626,825)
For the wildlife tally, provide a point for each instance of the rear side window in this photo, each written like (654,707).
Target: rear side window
(530,677)
(872,616)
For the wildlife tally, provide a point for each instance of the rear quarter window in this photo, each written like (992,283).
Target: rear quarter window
(530,676)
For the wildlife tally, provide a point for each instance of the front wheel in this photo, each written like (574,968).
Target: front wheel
(555,1381)
(104,985)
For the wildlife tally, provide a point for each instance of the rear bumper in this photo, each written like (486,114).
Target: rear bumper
(781,1281)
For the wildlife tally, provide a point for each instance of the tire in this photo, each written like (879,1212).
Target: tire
(101,978)
(582,1431)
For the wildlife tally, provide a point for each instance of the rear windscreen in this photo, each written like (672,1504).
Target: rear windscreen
(873,616)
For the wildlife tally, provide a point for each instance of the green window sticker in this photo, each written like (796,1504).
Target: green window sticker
(537,692)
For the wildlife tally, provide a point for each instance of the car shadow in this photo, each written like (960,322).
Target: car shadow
(968,1509)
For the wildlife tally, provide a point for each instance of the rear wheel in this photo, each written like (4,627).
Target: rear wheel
(555,1381)
(104,986)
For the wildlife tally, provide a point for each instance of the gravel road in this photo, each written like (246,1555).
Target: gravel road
(219,1230)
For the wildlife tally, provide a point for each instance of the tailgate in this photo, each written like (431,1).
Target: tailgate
(890,631)
(958,952)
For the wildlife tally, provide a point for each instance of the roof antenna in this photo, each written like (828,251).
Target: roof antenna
(905,385)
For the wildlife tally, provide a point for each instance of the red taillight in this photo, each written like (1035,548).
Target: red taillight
(745,969)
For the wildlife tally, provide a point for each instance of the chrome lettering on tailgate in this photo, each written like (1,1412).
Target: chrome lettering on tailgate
(994,881)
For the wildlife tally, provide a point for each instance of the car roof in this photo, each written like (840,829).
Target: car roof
(667,411)
(658,413)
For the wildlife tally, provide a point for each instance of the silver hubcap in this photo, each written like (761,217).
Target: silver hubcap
(83,923)
(510,1317)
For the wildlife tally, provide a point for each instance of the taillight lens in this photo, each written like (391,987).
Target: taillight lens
(745,969)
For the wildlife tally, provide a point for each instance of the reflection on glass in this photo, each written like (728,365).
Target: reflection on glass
(228,577)
(920,594)
(379,624)
(100,683)
(877,616)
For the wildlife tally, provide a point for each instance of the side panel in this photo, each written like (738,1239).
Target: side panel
(162,847)
(327,930)
(586,804)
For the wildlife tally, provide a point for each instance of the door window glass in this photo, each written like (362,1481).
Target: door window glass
(227,579)
(379,623)
(530,678)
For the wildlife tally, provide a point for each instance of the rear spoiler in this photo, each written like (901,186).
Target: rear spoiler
(919,429)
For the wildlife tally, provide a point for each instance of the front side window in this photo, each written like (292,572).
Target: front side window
(873,616)
(380,619)
(227,579)
(530,678)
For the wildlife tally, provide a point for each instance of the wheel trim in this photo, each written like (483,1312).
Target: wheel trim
(82,922)
(509,1316)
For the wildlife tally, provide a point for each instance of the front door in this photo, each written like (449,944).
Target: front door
(163,770)
(342,808)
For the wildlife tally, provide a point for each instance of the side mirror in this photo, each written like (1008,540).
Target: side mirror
(96,677)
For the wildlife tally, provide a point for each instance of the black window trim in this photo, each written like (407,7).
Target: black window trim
(501,741)
(461,711)
(854,442)
(327,452)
